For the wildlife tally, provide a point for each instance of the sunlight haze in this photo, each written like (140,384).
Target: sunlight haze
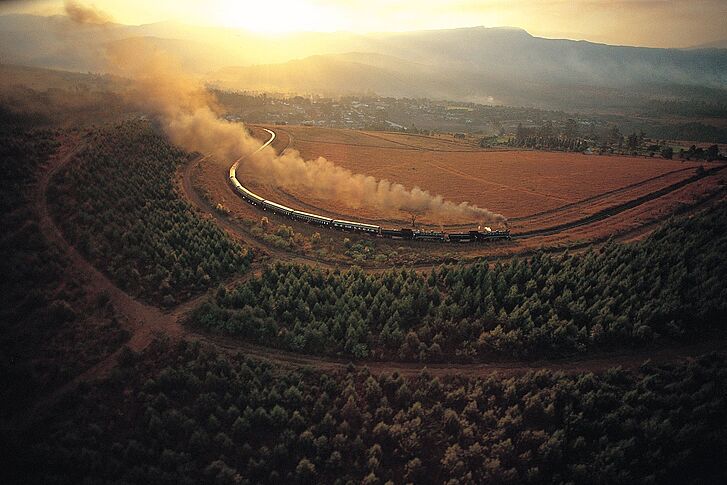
(653,23)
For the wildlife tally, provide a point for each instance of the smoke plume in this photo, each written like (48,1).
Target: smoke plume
(87,15)
(323,179)
(190,118)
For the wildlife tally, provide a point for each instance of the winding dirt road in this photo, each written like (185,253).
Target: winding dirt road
(144,322)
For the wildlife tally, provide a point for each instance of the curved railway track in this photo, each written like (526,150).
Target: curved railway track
(554,229)
(619,208)
(597,197)
(146,322)
(347,224)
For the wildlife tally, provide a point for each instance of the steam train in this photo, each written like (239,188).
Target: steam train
(403,233)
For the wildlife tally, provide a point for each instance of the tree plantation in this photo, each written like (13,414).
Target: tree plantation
(189,414)
(668,287)
(51,328)
(118,204)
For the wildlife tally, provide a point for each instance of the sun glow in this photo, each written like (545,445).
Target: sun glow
(281,16)
(677,23)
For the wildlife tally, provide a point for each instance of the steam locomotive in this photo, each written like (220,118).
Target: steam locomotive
(403,233)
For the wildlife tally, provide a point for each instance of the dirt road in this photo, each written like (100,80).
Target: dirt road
(144,322)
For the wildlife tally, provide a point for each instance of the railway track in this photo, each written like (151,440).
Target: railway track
(590,219)
(595,198)
(619,208)
(146,322)
(242,232)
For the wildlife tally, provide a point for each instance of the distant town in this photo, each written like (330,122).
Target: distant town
(489,126)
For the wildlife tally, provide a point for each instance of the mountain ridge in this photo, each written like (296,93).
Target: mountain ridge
(506,64)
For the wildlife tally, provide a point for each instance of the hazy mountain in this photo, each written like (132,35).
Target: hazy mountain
(506,53)
(58,42)
(717,44)
(349,73)
(502,64)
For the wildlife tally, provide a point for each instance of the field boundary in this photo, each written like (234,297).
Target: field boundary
(597,197)
(617,209)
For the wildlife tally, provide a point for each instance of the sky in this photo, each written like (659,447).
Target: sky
(653,23)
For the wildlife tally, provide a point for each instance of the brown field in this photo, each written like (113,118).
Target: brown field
(301,134)
(529,187)
(443,142)
(573,187)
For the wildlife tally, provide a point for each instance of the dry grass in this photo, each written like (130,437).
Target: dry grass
(442,142)
(310,134)
(631,224)
(518,184)
(573,186)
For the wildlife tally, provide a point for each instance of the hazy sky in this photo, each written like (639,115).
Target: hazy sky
(658,23)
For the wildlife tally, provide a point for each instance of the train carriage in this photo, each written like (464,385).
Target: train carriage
(277,208)
(462,237)
(356,226)
(252,197)
(312,218)
(397,233)
(403,233)
(248,195)
(430,236)
(490,235)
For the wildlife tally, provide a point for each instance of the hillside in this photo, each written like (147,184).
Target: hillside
(503,65)
(338,74)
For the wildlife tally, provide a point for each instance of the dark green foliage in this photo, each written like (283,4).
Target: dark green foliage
(44,312)
(695,130)
(694,152)
(668,286)
(207,418)
(545,138)
(118,205)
